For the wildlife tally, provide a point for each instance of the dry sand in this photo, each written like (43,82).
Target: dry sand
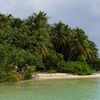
(63,76)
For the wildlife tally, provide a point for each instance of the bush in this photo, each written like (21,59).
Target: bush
(13,76)
(38,61)
(52,60)
(27,75)
(3,76)
(31,69)
(24,58)
(75,67)
(95,64)
(61,66)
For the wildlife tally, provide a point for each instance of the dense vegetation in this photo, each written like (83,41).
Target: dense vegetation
(33,45)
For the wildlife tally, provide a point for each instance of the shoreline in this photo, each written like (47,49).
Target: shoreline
(42,76)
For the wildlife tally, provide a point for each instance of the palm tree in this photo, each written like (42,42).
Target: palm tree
(59,36)
(80,45)
(93,50)
(41,40)
(38,26)
(37,20)
(16,23)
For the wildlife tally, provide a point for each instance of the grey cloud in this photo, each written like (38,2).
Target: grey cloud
(76,13)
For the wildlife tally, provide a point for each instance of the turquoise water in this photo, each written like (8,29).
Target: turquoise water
(83,89)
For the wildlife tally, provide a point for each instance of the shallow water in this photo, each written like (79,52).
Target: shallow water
(81,89)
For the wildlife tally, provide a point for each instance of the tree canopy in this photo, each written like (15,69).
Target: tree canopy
(35,42)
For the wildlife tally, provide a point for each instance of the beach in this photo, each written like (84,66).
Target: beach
(63,76)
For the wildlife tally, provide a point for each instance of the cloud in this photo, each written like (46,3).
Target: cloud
(81,13)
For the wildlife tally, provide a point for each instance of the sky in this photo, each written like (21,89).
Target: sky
(76,13)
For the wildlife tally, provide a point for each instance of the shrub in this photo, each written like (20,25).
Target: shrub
(27,75)
(24,58)
(38,61)
(75,67)
(3,76)
(31,69)
(13,76)
(95,64)
(52,60)
(61,66)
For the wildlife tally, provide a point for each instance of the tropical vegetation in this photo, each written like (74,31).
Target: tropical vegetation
(33,45)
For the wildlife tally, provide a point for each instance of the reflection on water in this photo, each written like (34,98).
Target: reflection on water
(83,89)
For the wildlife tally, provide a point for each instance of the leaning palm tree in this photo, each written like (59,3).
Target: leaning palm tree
(80,44)
(59,36)
(93,50)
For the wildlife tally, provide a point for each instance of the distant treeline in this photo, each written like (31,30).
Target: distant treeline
(33,44)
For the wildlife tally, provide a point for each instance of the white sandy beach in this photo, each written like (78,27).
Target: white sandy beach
(63,76)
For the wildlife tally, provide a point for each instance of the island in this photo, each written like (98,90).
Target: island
(32,46)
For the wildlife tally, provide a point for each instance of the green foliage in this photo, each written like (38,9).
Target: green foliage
(3,75)
(62,66)
(31,69)
(72,43)
(95,64)
(9,76)
(52,60)
(34,42)
(37,20)
(13,76)
(6,60)
(76,67)
(27,75)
